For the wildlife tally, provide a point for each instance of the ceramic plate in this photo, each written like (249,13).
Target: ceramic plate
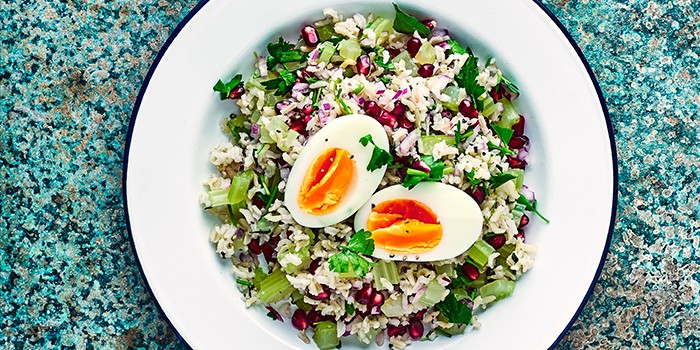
(175,123)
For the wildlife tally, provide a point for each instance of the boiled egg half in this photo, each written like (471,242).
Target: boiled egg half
(329,180)
(433,221)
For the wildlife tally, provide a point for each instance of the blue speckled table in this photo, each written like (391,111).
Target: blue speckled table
(70,73)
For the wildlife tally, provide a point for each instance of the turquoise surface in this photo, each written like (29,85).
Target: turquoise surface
(69,76)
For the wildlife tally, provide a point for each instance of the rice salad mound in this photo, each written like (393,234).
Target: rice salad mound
(449,118)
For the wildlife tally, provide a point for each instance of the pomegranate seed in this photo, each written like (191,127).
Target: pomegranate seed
(377,299)
(393,52)
(478,194)
(406,124)
(274,313)
(299,320)
(387,119)
(310,35)
(470,271)
(426,70)
(521,234)
(273,240)
(415,328)
(412,46)
(307,110)
(518,142)
(395,331)
(279,106)
(314,317)
(524,221)
(314,265)
(496,93)
(236,92)
(420,165)
(419,314)
(515,162)
(430,23)
(468,110)
(304,75)
(364,295)
(363,65)
(496,241)
(298,125)
(258,202)
(399,110)
(372,109)
(322,295)
(519,127)
(254,246)
(267,250)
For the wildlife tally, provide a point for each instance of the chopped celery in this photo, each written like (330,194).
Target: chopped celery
(498,288)
(349,274)
(218,197)
(275,287)
(385,269)
(518,212)
(259,276)
(237,125)
(382,25)
(285,143)
(298,300)
(408,62)
(234,211)
(489,105)
(253,83)
(447,269)
(433,294)
(327,51)
(239,186)
(265,225)
(349,49)
(460,293)
(480,252)
(326,335)
(325,31)
(302,253)
(457,328)
(519,174)
(426,53)
(453,103)
(393,308)
(509,116)
(426,143)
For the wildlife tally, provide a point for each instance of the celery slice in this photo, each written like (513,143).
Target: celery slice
(385,269)
(509,116)
(326,335)
(498,288)
(447,269)
(218,197)
(408,62)
(327,51)
(393,308)
(275,287)
(518,212)
(459,293)
(426,143)
(239,186)
(480,252)
(325,32)
(489,106)
(453,103)
(433,294)
(349,49)
(259,276)
(519,174)
(426,53)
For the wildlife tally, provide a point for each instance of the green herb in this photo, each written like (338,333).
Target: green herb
(225,89)
(358,89)
(283,52)
(379,61)
(380,157)
(415,177)
(531,207)
(504,133)
(244,282)
(312,80)
(455,47)
(342,103)
(500,179)
(349,309)
(384,79)
(504,150)
(467,80)
(314,98)
(509,84)
(455,311)
(470,177)
(237,126)
(349,257)
(283,84)
(404,23)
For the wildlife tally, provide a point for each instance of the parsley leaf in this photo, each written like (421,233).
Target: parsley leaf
(380,157)
(531,207)
(283,84)
(349,309)
(225,89)
(404,23)
(283,52)
(455,47)
(503,133)
(509,84)
(349,256)
(467,79)
(500,179)
(379,61)
(415,177)
(455,311)
(470,177)
(504,150)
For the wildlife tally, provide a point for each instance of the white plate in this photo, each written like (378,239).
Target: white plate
(175,124)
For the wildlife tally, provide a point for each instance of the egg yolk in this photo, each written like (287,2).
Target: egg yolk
(326,181)
(404,226)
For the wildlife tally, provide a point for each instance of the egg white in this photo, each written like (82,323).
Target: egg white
(459,215)
(343,132)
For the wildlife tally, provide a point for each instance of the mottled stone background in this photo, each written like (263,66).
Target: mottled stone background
(69,75)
